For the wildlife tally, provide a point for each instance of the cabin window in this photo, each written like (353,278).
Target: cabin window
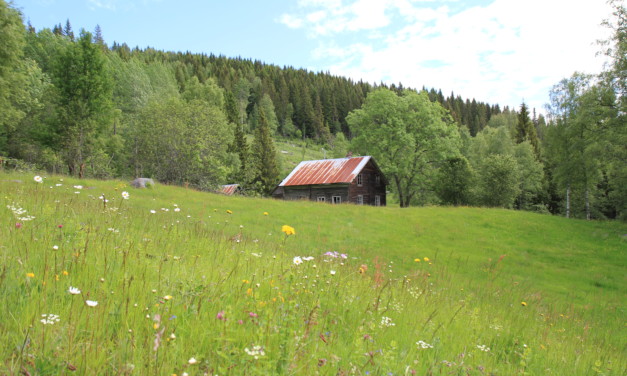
(337,199)
(321,199)
(377,179)
(360,179)
(360,199)
(377,200)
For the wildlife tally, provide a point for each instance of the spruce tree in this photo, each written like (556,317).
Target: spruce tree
(525,130)
(84,93)
(240,147)
(67,31)
(267,171)
(98,39)
(230,106)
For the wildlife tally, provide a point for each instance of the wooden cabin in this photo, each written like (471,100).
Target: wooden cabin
(356,180)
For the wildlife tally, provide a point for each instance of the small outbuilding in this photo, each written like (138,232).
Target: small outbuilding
(356,180)
(229,189)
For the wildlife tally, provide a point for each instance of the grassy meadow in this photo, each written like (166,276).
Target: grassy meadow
(176,282)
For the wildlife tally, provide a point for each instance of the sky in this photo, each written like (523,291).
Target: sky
(496,51)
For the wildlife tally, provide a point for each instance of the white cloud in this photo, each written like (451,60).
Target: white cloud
(316,16)
(504,53)
(114,5)
(291,21)
(103,4)
(368,14)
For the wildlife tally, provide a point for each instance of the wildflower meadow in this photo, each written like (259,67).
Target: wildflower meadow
(97,277)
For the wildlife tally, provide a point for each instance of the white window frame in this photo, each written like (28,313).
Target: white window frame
(321,199)
(360,199)
(360,180)
(336,199)
(377,200)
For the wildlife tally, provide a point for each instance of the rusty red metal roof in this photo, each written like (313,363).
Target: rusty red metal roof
(325,171)
(228,189)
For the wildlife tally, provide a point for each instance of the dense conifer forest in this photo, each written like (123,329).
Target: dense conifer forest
(71,103)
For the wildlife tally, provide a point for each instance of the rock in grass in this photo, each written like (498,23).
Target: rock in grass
(143,183)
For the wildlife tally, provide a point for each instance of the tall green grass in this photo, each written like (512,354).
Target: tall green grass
(207,284)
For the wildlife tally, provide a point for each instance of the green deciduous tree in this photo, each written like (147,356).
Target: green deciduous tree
(493,152)
(615,129)
(183,142)
(455,181)
(580,111)
(11,75)
(498,180)
(409,136)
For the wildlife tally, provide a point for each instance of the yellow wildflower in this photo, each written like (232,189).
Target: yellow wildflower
(229,212)
(426,259)
(265,213)
(524,304)
(65,272)
(417,260)
(288,230)
(30,275)
(167,297)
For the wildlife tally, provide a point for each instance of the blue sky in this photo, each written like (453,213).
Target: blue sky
(497,51)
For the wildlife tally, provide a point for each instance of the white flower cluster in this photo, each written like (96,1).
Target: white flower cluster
(19,212)
(415,292)
(424,345)
(397,306)
(483,348)
(299,260)
(74,290)
(255,352)
(49,319)
(386,322)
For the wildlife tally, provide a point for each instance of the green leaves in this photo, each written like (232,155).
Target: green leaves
(409,136)
(180,142)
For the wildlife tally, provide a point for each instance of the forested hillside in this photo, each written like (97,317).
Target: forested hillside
(74,104)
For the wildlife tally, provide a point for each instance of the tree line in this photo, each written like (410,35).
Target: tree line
(70,103)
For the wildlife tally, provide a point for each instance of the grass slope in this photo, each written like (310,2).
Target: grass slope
(207,284)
